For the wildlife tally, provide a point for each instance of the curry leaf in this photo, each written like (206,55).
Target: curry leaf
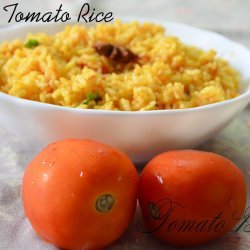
(90,96)
(31,43)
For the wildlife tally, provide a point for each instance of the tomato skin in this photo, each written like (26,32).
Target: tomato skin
(61,186)
(179,187)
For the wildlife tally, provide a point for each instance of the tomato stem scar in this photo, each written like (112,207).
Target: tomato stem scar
(153,210)
(104,203)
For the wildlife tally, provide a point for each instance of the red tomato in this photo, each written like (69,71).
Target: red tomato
(80,194)
(190,197)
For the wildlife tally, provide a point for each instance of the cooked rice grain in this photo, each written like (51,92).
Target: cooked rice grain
(65,67)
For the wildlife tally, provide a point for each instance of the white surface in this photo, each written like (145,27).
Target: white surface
(140,134)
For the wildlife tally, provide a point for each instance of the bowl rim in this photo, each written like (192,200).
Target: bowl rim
(37,104)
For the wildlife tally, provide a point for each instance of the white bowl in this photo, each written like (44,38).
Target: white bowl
(142,134)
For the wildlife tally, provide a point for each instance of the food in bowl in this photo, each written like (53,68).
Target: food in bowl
(142,134)
(117,66)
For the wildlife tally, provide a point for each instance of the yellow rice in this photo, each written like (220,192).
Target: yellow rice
(65,67)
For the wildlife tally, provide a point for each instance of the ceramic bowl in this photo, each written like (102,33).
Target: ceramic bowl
(141,134)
